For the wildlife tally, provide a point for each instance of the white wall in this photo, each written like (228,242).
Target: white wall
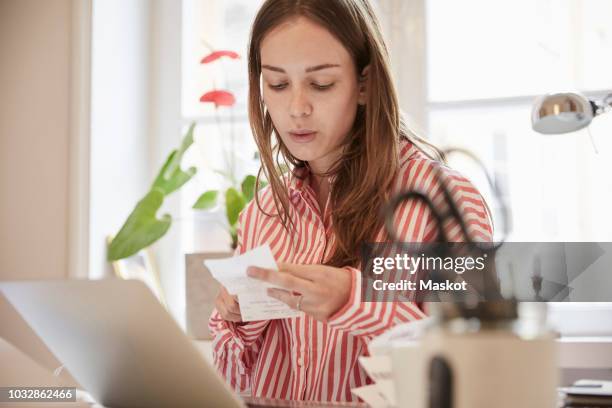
(34,137)
(136,96)
(36,39)
(165,135)
(136,122)
(69,176)
(119,109)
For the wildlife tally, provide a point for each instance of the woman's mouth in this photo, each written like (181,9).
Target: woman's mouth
(302,135)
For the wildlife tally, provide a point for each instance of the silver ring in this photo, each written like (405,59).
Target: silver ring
(299,302)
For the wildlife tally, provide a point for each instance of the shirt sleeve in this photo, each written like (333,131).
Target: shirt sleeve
(415,223)
(236,346)
(371,319)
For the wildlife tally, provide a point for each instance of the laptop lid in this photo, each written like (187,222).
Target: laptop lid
(119,343)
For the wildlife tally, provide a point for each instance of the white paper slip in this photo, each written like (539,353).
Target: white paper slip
(401,333)
(589,387)
(371,395)
(260,306)
(231,272)
(255,304)
(380,371)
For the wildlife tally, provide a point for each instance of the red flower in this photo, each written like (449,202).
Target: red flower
(219,98)
(218,54)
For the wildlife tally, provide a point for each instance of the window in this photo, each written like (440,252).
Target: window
(222,137)
(486,61)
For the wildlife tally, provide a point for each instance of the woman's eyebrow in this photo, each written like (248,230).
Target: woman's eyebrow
(309,69)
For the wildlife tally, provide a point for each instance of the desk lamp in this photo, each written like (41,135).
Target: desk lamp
(566,112)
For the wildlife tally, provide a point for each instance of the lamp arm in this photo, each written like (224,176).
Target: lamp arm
(604,106)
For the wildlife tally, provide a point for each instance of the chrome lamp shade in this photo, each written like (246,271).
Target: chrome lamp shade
(562,113)
(566,112)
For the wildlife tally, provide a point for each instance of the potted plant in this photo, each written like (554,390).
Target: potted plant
(143,227)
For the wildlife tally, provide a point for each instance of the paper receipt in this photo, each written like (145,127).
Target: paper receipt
(255,304)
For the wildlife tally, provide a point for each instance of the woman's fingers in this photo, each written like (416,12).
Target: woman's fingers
(227,306)
(284,280)
(230,301)
(232,317)
(306,272)
(287,297)
(232,305)
(223,292)
(227,314)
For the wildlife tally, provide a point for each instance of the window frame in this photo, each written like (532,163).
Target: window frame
(575,320)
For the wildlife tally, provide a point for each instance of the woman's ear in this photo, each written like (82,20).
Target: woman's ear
(363,80)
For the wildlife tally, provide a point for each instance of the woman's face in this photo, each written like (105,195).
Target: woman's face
(310,89)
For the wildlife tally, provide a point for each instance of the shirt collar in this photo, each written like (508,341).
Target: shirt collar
(299,178)
(407,150)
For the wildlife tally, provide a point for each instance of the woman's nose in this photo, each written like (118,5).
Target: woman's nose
(299,106)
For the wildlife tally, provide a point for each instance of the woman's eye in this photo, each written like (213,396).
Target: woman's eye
(318,87)
(322,87)
(277,87)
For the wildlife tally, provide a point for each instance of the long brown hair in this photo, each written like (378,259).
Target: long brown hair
(365,173)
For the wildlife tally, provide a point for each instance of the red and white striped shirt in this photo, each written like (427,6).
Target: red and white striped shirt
(304,359)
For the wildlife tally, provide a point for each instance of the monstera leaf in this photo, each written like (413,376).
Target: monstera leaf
(142,227)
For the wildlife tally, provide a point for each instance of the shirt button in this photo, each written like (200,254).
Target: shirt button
(300,362)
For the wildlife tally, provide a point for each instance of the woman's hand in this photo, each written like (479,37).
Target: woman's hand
(318,290)
(227,306)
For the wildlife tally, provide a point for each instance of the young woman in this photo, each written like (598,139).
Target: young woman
(321,96)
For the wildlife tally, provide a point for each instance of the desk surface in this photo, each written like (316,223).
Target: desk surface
(84,401)
(271,403)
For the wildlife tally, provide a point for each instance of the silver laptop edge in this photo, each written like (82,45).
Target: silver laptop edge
(119,343)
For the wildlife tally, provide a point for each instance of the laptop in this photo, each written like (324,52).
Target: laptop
(120,344)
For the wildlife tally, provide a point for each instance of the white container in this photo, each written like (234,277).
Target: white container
(467,363)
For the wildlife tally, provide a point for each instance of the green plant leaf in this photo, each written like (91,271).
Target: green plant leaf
(171,177)
(233,230)
(185,144)
(175,180)
(248,187)
(206,200)
(141,229)
(234,203)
